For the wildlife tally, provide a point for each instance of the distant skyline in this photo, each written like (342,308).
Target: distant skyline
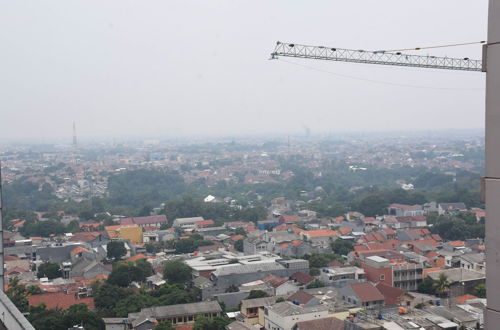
(200,68)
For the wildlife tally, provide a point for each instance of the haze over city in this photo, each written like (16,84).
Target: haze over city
(184,68)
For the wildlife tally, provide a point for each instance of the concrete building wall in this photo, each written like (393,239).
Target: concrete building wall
(492,181)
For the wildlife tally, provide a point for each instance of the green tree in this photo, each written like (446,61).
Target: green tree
(315,284)
(19,293)
(81,315)
(116,250)
(216,323)
(342,246)
(50,270)
(442,285)
(313,271)
(46,319)
(480,291)
(319,260)
(176,271)
(107,296)
(121,275)
(145,267)
(427,286)
(189,245)
(73,227)
(257,294)
(373,205)
(238,245)
(240,231)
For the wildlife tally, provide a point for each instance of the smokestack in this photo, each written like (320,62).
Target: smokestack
(74,135)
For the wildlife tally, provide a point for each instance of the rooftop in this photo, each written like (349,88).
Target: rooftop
(181,309)
(286,308)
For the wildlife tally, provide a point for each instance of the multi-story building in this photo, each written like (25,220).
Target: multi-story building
(332,274)
(395,272)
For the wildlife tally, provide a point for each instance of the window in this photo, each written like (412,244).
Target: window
(382,277)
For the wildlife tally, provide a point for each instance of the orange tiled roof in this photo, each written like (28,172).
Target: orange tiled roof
(432,254)
(59,300)
(463,299)
(431,270)
(345,230)
(457,243)
(78,250)
(320,233)
(237,237)
(137,257)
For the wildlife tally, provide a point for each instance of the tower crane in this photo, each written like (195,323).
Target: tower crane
(382,57)
(490,183)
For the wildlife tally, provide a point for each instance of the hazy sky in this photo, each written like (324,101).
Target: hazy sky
(167,68)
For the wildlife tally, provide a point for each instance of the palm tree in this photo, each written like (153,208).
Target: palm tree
(442,285)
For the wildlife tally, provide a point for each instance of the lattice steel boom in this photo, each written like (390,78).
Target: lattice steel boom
(374,57)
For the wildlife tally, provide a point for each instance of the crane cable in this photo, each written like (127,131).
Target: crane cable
(429,47)
(381,82)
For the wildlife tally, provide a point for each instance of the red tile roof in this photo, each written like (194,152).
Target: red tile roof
(436,237)
(463,299)
(389,231)
(302,278)
(237,237)
(16,270)
(184,327)
(138,256)
(284,227)
(78,250)
(274,280)
(59,300)
(320,233)
(366,292)
(205,223)
(411,218)
(301,297)
(85,236)
(345,230)
(335,263)
(391,294)
(290,218)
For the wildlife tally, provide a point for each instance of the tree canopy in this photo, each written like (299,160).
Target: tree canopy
(176,271)
(50,270)
(116,250)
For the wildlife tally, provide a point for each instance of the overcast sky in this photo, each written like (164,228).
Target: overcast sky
(167,68)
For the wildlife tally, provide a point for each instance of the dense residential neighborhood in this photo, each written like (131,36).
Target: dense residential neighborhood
(247,239)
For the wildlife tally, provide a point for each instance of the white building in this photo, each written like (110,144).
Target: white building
(284,315)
